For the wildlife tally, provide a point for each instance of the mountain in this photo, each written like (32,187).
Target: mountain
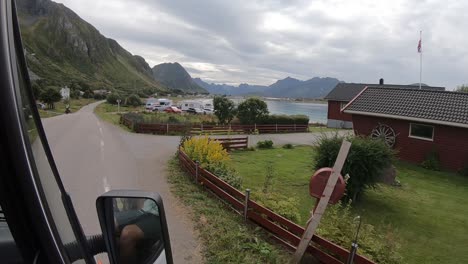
(313,88)
(287,87)
(242,89)
(62,49)
(175,77)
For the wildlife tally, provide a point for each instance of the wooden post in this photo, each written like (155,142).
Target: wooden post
(197,168)
(276,128)
(201,127)
(167,128)
(246,203)
(294,127)
(322,203)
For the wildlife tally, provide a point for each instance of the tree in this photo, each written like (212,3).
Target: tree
(252,110)
(113,97)
(75,94)
(224,109)
(462,88)
(133,100)
(366,161)
(50,96)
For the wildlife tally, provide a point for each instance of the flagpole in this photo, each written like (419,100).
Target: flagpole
(420,60)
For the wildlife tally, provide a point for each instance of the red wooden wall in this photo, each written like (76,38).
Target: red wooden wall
(450,142)
(334,112)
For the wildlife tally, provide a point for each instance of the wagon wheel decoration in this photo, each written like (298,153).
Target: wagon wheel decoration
(386,133)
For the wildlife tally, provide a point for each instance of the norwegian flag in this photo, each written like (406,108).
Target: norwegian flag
(419,46)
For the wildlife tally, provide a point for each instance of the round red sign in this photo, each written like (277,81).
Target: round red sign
(318,182)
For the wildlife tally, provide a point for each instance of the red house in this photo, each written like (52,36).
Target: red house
(344,92)
(415,122)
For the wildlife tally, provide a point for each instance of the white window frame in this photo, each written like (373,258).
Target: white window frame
(422,138)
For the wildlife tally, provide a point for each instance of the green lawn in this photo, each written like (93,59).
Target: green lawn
(75,105)
(428,213)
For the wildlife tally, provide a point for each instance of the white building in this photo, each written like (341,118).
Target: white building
(65,92)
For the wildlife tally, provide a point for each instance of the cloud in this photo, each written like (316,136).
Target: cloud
(261,41)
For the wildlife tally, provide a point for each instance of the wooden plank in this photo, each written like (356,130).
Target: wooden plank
(323,202)
(284,234)
(222,184)
(221,193)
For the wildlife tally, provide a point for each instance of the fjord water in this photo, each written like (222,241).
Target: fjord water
(315,112)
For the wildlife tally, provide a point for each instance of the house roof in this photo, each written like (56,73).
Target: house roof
(347,91)
(431,106)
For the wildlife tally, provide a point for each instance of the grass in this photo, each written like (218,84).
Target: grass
(109,113)
(226,238)
(428,213)
(75,105)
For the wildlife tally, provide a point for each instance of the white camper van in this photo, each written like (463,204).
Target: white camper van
(197,106)
(160,104)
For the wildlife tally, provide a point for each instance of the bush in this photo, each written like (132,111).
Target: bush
(265,144)
(339,226)
(133,100)
(432,161)
(212,157)
(113,97)
(288,146)
(280,204)
(366,160)
(252,111)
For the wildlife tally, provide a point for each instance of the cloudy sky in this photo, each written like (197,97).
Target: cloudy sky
(258,42)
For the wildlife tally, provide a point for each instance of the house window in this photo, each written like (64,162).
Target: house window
(421,131)
(342,105)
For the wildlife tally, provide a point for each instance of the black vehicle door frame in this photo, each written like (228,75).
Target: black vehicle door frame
(21,196)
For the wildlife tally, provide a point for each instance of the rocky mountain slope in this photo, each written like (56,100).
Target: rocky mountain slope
(62,49)
(175,77)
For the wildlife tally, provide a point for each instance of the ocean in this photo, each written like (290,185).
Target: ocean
(317,113)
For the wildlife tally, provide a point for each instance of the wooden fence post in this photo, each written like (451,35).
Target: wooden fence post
(314,221)
(167,128)
(276,128)
(201,127)
(197,167)
(294,127)
(246,203)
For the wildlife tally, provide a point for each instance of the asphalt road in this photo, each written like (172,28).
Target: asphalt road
(93,157)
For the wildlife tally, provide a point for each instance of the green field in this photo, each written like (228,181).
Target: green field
(428,213)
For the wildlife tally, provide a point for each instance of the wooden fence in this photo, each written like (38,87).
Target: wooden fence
(165,129)
(282,229)
(233,143)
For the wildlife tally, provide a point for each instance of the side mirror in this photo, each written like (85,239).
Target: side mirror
(134,227)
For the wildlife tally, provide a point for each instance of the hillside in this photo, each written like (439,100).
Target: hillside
(61,49)
(175,77)
(287,87)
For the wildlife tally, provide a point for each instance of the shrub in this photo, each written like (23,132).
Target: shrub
(227,174)
(99,96)
(112,98)
(212,157)
(366,160)
(288,146)
(280,204)
(133,100)
(432,161)
(265,144)
(251,111)
(339,226)
(207,152)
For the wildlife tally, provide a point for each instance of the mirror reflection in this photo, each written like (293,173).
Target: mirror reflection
(138,231)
